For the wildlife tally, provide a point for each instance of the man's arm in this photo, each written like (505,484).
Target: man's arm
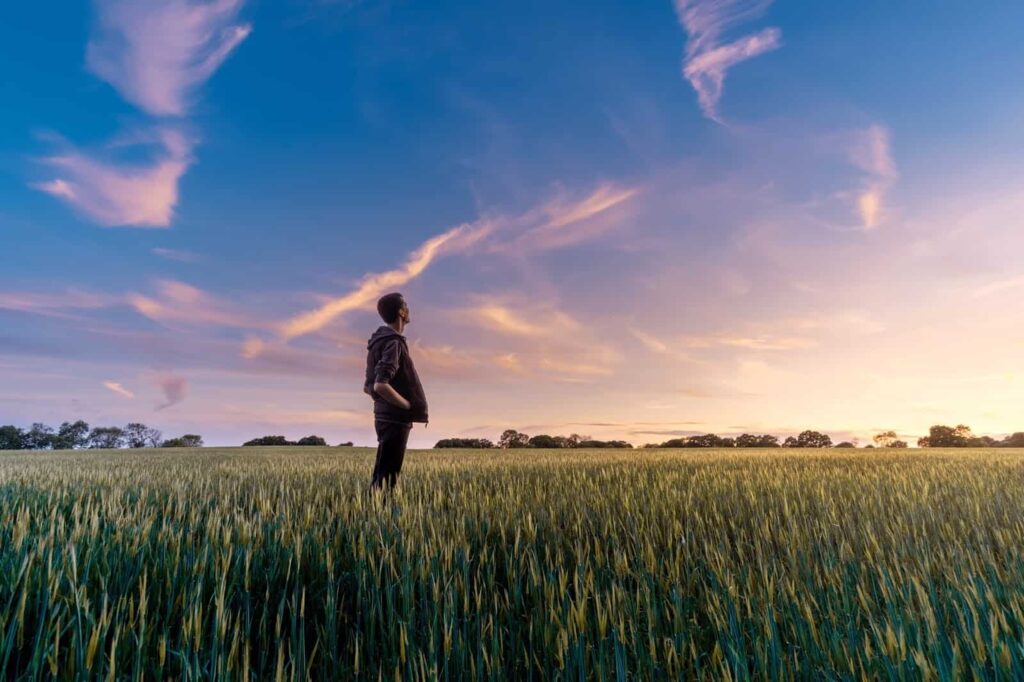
(385,370)
(389,394)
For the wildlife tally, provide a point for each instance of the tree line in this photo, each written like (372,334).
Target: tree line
(281,440)
(511,438)
(77,435)
(939,436)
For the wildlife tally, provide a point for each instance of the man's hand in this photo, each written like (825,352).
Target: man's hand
(392,396)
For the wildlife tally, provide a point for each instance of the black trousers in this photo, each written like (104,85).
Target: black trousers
(392,438)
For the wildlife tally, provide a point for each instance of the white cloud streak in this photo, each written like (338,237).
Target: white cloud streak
(157,52)
(374,285)
(555,224)
(707,58)
(871,152)
(115,194)
(118,389)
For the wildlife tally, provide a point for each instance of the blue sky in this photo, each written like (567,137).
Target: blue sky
(631,220)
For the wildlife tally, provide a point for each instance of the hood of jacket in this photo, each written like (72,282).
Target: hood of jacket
(383,332)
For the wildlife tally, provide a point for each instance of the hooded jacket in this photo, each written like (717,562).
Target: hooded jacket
(388,362)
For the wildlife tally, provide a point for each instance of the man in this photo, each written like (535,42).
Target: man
(398,398)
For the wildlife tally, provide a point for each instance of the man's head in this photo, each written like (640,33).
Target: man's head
(393,308)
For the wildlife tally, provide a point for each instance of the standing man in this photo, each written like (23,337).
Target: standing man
(392,382)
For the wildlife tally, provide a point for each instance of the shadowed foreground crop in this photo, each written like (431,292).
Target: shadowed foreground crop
(273,563)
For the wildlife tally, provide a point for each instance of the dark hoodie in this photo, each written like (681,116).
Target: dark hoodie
(388,362)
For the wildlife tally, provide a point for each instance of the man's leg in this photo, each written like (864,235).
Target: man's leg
(391,441)
(375,478)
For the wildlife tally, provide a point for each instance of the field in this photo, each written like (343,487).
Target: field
(273,563)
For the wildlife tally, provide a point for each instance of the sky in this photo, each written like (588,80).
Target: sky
(631,220)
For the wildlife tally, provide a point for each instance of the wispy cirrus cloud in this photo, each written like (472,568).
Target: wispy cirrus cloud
(118,389)
(184,303)
(567,221)
(373,285)
(157,52)
(537,337)
(652,342)
(758,342)
(530,230)
(172,302)
(707,58)
(502,316)
(56,304)
(871,151)
(115,193)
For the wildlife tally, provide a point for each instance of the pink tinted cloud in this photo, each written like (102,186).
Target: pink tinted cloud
(118,389)
(373,285)
(55,304)
(540,228)
(157,52)
(530,336)
(707,59)
(123,194)
(180,302)
(565,222)
(174,388)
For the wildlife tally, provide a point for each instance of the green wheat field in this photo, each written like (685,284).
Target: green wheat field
(274,563)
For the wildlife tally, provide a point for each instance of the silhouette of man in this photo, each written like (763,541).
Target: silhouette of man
(392,382)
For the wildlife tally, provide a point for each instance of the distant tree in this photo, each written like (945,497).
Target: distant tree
(311,440)
(475,443)
(982,442)
(1015,440)
(791,442)
(675,443)
(941,436)
(11,438)
(898,444)
(869,446)
(346,444)
(708,440)
(605,444)
(511,438)
(138,435)
(134,435)
(573,440)
(268,440)
(748,440)
(813,439)
(71,436)
(544,441)
(106,437)
(189,440)
(845,444)
(885,439)
(39,437)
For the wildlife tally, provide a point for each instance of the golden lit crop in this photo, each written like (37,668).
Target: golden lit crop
(274,563)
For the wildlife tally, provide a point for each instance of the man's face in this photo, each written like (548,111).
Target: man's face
(403,313)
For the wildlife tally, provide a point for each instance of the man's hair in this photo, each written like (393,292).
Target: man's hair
(389,305)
